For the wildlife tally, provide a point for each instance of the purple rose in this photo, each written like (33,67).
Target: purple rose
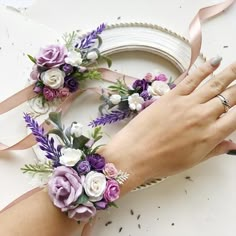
(145,95)
(49,93)
(64,187)
(63,92)
(67,68)
(140,85)
(101,205)
(71,83)
(112,191)
(172,85)
(161,77)
(96,161)
(83,167)
(82,212)
(51,56)
(38,89)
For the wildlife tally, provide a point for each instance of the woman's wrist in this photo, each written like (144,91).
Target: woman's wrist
(137,171)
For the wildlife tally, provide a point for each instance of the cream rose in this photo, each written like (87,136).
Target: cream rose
(74,58)
(53,78)
(92,56)
(115,99)
(95,185)
(158,88)
(135,102)
(76,129)
(70,156)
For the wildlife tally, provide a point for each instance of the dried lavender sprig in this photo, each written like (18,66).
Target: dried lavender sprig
(89,39)
(45,143)
(109,118)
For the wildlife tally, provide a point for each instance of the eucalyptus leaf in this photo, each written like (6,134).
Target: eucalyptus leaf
(32,58)
(79,143)
(57,132)
(55,117)
(107,59)
(99,41)
(82,199)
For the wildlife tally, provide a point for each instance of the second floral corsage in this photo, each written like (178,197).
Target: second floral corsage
(59,69)
(79,181)
(123,101)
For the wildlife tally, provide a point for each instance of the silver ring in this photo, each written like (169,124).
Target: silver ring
(224,101)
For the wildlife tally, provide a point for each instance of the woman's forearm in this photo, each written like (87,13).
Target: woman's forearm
(37,216)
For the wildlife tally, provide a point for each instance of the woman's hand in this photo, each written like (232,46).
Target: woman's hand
(178,131)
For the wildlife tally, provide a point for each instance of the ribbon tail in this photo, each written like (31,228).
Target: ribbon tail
(195,32)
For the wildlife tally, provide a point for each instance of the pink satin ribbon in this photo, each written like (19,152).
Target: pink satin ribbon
(27,93)
(195,32)
(195,43)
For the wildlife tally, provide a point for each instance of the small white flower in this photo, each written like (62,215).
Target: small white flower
(70,156)
(76,129)
(115,99)
(93,56)
(158,88)
(53,78)
(74,58)
(135,102)
(95,185)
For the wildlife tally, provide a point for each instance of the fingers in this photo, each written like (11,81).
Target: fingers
(216,85)
(222,148)
(191,82)
(226,124)
(215,106)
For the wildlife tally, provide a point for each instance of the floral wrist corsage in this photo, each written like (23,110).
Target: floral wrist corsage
(59,69)
(79,181)
(123,101)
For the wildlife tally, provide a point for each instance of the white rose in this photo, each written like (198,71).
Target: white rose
(92,56)
(70,156)
(158,88)
(115,99)
(76,129)
(74,58)
(135,102)
(53,78)
(95,185)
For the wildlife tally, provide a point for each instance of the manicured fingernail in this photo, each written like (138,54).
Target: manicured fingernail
(231,152)
(215,61)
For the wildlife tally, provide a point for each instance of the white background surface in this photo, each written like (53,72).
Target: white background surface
(205,206)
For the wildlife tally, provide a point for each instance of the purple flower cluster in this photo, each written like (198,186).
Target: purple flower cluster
(144,92)
(70,184)
(57,70)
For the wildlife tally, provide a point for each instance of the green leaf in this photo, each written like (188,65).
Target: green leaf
(70,39)
(32,58)
(38,168)
(112,204)
(96,148)
(55,117)
(57,132)
(107,59)
(99,41)
(82,199)
(78,143)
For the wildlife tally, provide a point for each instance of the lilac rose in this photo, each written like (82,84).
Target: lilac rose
(51,56)
(82,212)
(112,191)
(101,205)
(83,167)
(65,186)
(161,77)
(96,161)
